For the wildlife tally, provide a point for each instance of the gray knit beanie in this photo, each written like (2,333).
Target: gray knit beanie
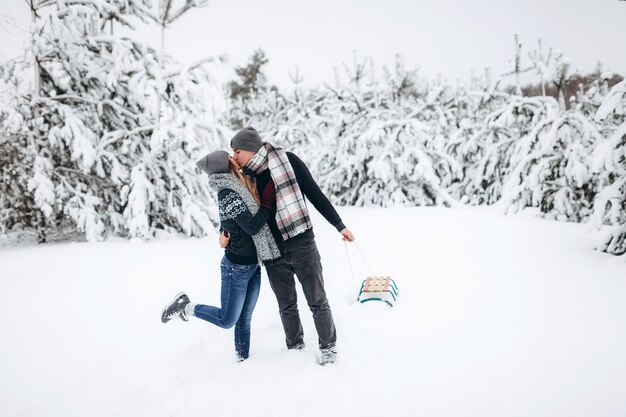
(214,163)
(247,139)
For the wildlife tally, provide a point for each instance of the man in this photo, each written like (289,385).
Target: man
(291,227)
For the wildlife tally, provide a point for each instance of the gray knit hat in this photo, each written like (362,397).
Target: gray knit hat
(247,139)
(214,163)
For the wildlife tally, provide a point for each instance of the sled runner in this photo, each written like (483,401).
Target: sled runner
(378,289)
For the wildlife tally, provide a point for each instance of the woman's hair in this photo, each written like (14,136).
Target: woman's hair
(245,180)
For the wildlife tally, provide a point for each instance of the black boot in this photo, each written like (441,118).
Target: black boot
(176,309)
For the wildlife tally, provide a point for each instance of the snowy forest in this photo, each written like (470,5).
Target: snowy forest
(99,133)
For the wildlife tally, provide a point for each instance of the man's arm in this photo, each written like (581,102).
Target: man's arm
(315,195)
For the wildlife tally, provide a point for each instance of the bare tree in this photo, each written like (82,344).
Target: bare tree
(296,78)
(541,64)
(561,77)
(358,71)
(166,15)
(517,66)
(35,6)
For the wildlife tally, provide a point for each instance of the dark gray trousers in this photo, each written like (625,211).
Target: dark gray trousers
(300,257)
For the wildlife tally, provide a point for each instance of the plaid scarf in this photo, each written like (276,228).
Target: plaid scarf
(292,215)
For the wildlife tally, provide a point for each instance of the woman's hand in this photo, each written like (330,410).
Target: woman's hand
(224,239)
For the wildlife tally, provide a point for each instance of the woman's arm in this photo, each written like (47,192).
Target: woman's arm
(231,206)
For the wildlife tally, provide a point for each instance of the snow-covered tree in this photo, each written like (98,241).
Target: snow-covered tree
(391,163)
(387,146)
(17,205)
(102,161)
(552,168)
(484,146)
(609,162)
(588,101)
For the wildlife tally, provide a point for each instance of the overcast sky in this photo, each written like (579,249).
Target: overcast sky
(447,37)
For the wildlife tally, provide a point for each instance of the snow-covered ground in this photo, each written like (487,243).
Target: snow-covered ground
(497,316)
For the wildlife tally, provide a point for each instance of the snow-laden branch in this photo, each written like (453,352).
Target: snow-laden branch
(189,4)
(190,67)
(99,104)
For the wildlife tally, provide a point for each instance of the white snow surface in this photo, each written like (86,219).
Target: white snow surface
(497,316)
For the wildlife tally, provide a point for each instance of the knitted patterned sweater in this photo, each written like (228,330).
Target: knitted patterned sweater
(237,220)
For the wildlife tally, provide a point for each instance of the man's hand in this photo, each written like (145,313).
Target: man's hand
(347,235)
(224,239)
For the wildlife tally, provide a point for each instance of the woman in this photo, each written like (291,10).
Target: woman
(250,241)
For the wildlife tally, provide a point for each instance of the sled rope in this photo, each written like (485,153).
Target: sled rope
(345,246)
(364,259)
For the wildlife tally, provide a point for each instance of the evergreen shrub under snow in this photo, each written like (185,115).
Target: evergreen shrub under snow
(400,140)
(99,134)
(104,142)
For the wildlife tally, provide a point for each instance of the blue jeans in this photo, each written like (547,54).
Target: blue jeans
(240,290)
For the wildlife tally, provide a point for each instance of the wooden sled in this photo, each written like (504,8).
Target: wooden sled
(379,289)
